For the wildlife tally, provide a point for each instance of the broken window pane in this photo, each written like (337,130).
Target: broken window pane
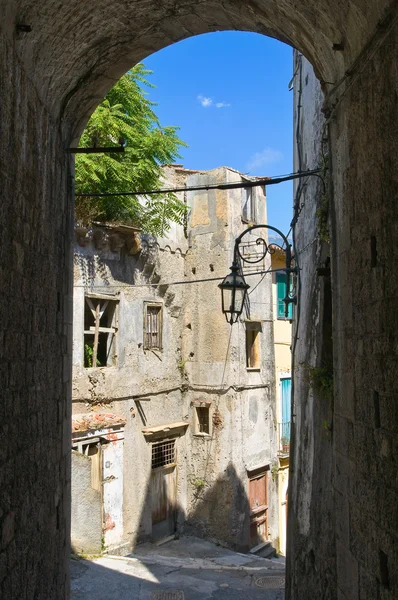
(99,331)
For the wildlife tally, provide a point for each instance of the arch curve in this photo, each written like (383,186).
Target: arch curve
(74,54)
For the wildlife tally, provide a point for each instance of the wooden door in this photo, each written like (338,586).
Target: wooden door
(258,501)
(163,489)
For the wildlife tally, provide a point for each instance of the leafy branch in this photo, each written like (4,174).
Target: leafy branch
(127,113)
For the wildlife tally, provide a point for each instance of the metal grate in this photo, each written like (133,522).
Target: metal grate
(163,454)
(168,595)
(270,582)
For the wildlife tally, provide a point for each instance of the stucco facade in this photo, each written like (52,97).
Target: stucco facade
(192,388)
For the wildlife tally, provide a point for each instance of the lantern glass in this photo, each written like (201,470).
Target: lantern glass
(233,293)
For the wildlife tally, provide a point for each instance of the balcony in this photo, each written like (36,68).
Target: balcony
(284,438)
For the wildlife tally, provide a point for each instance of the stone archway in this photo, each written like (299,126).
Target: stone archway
(58,60)
(74,55)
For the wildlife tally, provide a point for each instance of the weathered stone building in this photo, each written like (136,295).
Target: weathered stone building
(283,380)
(195,396)
(58,61)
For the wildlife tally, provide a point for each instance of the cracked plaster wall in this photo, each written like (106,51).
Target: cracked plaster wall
(202,359)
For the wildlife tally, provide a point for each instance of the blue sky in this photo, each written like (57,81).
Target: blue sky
(228,93)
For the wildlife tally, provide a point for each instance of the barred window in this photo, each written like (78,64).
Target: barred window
(163,453)
(153,317)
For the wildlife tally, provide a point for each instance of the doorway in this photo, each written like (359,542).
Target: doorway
(163,488)
(258,506)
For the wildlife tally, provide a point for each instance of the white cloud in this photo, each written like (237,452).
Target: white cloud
(205,101)
(261,159)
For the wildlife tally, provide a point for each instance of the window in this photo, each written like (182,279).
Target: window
(281,293)
(253,345)
(284,427)
(248,205)
(99,331)
(163,454)
(153,316)
(203,419)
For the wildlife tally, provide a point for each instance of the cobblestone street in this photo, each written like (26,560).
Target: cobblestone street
(185,569)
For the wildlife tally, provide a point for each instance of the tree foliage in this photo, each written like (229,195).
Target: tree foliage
(127,112)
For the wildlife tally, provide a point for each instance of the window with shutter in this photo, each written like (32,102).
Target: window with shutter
(281,293)
(152,326)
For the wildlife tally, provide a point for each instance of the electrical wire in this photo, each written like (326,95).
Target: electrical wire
(217,186)
(296,213)
(257,284)
(159,283)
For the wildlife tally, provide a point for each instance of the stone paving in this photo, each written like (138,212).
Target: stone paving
(185,569)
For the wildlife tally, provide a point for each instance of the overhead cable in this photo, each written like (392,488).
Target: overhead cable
(167,284)
(266,181)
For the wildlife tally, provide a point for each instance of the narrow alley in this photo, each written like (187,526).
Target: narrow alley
(185,569)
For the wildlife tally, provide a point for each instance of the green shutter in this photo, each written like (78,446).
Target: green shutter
(281,293)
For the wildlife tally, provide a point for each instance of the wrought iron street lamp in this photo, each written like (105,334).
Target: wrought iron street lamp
(233,293)
(234,287)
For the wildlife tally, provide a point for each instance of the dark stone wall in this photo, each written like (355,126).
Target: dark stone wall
(366,329)
(311,550)
(344,492)
(35,343)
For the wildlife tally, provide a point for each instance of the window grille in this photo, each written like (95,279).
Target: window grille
(153,326)
(163,453)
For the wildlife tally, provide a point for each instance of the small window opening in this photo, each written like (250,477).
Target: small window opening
(253,339)
(93,451)
(153,326)
(99,332)
(163,454)
(248,211)
(203,416)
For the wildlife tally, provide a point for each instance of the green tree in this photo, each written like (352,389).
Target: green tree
(127,112)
